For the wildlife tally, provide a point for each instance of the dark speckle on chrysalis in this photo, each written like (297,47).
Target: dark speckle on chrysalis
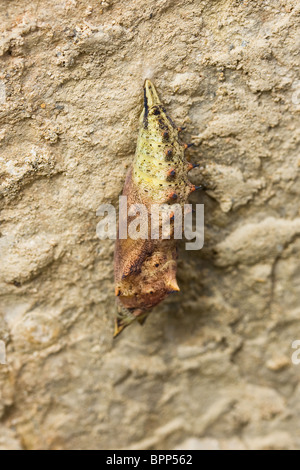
(145,269)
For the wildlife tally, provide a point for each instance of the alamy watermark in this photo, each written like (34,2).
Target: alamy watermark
(296,354)
(2,353)
(166,221)
(296,94)
(2,92)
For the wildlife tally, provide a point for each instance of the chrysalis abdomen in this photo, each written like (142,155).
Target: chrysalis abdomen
(145,269)
(159,168)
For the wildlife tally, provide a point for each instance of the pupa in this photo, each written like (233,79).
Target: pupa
(145,269)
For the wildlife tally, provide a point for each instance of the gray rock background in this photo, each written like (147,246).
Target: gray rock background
(212,367)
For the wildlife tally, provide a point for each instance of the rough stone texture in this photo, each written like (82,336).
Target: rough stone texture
(212,366)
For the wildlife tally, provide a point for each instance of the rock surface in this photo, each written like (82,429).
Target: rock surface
(212,366)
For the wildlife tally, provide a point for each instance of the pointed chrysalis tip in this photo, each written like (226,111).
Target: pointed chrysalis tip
(118,328)
(172,286)
(151,93)
(120,325)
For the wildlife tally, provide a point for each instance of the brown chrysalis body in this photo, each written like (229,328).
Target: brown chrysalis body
(145,269)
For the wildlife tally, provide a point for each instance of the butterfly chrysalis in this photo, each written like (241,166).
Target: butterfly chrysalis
(145,268)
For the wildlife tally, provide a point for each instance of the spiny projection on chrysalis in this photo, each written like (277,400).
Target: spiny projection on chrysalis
(145,269)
